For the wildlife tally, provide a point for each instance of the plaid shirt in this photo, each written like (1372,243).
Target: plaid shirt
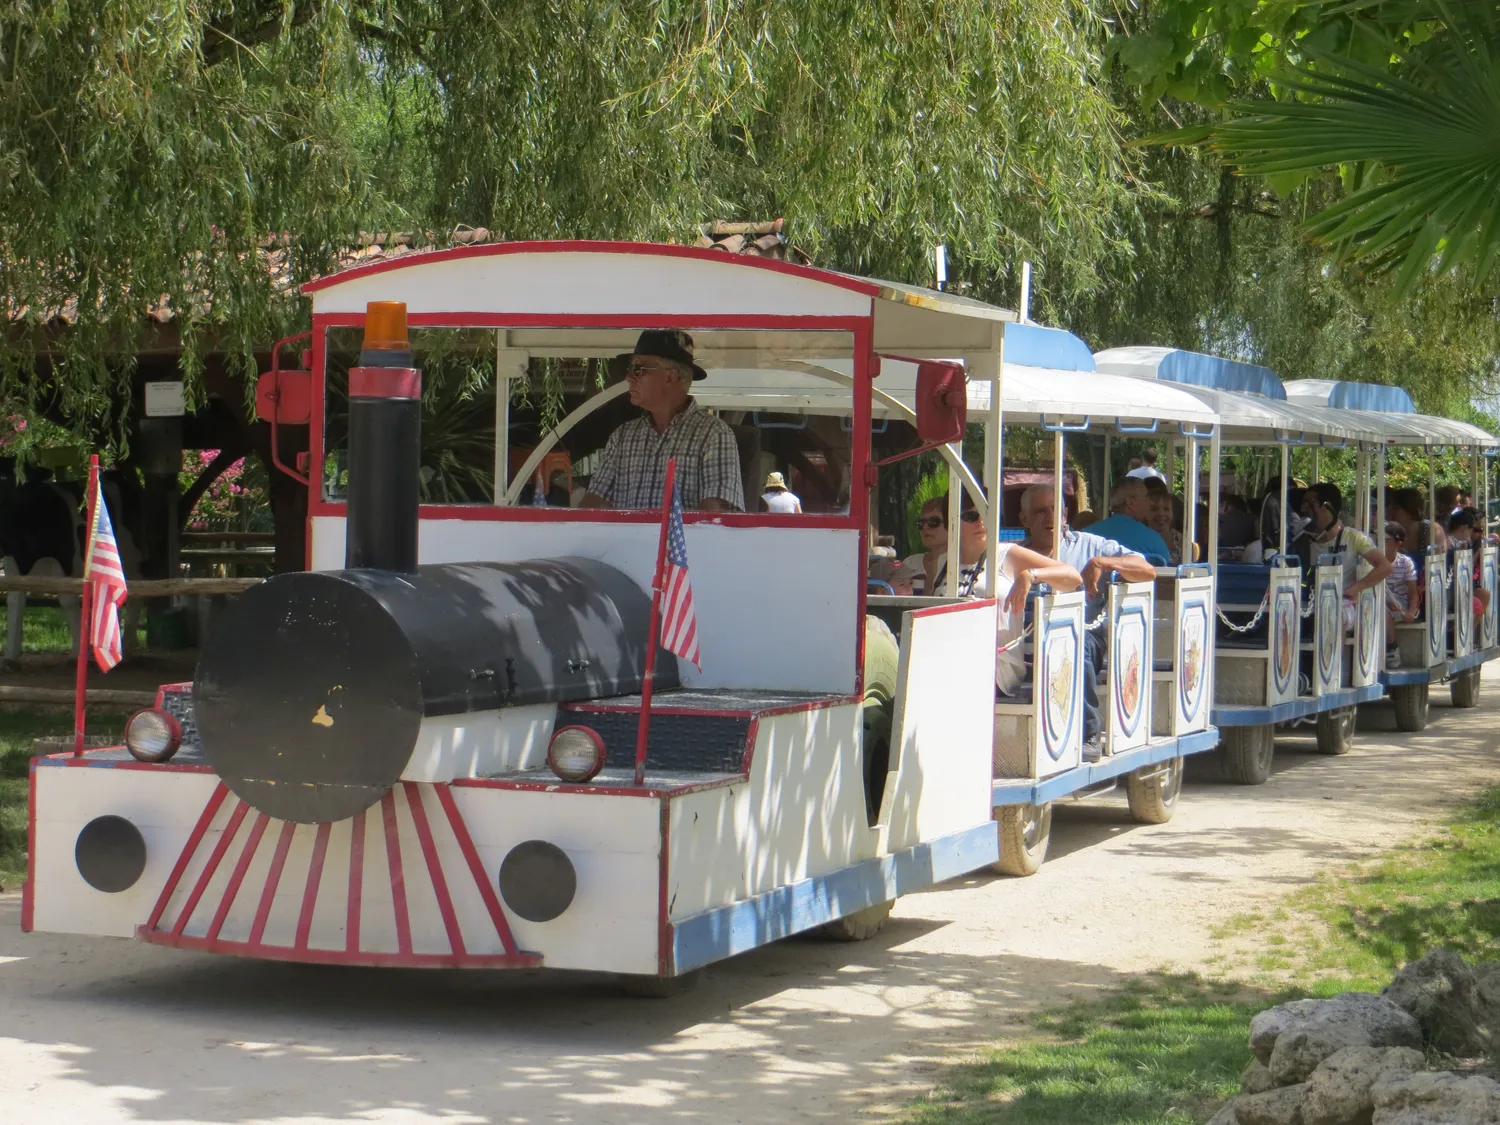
(634,471)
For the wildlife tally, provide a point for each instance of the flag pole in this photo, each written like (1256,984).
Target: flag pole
(80,687)
(644,726)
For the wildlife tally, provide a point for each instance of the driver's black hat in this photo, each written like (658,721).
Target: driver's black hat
(669,343)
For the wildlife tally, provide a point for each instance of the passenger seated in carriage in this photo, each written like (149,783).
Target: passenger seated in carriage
(1093,557)
(634,467)
(1349,544)
(1130,507)
(1017,570)
(1464,531)
(1403,593)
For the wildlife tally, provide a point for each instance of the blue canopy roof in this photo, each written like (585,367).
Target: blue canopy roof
(1194,369)
(1031,345)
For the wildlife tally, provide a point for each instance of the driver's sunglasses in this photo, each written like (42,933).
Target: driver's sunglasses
(637,370)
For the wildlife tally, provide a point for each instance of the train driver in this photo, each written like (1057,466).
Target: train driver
(634,470)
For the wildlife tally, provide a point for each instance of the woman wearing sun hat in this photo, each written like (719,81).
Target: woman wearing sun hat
(778,498)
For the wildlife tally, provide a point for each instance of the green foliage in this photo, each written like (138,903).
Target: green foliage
(1422,147)
(149,147)
(18,729)
(1163,1051)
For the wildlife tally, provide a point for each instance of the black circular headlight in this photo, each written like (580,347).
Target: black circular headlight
(537,880)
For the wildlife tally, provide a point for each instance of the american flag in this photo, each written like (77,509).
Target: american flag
(106,576)
(679,625)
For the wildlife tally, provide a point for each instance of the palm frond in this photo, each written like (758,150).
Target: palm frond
(1431,136)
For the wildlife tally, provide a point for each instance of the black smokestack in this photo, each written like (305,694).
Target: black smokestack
(385,442)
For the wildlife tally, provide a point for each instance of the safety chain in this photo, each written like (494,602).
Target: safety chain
(1312,604)
(1097,622)
(1010,644)
(1252,623)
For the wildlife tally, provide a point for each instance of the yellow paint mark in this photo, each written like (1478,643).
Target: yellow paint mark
(323,718)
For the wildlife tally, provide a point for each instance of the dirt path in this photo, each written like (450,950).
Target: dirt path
(111,1031)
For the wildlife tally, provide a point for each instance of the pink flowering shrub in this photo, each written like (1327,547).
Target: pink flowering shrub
(237,501)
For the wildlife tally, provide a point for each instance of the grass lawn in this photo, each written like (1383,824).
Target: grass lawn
(17,730)
(1167,1050)
(43,629)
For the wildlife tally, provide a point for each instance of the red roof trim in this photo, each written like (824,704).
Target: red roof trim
(582,246)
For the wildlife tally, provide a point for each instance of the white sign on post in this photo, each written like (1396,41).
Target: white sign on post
(164,400)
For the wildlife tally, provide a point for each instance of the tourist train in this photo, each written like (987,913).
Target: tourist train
(427,749)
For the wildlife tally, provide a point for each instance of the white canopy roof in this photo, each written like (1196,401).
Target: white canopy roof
(1246,416)
(1398,426)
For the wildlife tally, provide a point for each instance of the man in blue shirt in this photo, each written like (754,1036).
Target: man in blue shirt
(1129,502)
(1093,557)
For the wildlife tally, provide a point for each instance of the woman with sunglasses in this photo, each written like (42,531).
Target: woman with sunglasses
(932,526)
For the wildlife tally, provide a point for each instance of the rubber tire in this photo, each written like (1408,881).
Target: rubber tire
(1246,753)
(1411,706)
(1336,730)
(1153,800)
(644,987)
(882,667)
(859,926)
(882,660)
(1464,687)
(1016,857)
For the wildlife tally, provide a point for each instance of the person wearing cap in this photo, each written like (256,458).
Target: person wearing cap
(1351,545)
(778,498)
(633,471)
(1403,593)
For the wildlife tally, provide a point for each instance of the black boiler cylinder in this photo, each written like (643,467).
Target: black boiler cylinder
(311,691)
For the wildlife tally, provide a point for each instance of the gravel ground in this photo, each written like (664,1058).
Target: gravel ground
(96,1030)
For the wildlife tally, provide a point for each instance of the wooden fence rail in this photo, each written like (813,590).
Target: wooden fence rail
(140,587)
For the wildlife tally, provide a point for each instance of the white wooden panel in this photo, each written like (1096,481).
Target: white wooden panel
(776,606)
(164,806)
(614,844)
(1489,578)
(1127,711)
(1057,689)
(1436,611)
(1328,630)
(942,736)
(1286,634)
(593,283)
(1192,654)
(1369,634)
(1463,602)
(801,814)
(480,743)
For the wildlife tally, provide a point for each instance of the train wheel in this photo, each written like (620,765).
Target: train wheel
(1246,753)
(859,926)
(1464,688)
(882,667)
(659,988)
(1336,730)
(1153,792)
(1024,832)
(1411,706)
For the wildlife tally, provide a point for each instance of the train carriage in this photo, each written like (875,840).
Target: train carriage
(1284,655)
(1452,644)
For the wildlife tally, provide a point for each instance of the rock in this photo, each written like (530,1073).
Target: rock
(1338,1093)
(1432,1097)
(1256,1079)
(1442,991)
(1351,1019)
(1274,1107)
(1226,1114)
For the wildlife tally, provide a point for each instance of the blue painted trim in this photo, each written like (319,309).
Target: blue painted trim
(1026,792)
(1231,716)
(1031,345)
(1199,370)
(1371,396)
(742,926)
(1405,677)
